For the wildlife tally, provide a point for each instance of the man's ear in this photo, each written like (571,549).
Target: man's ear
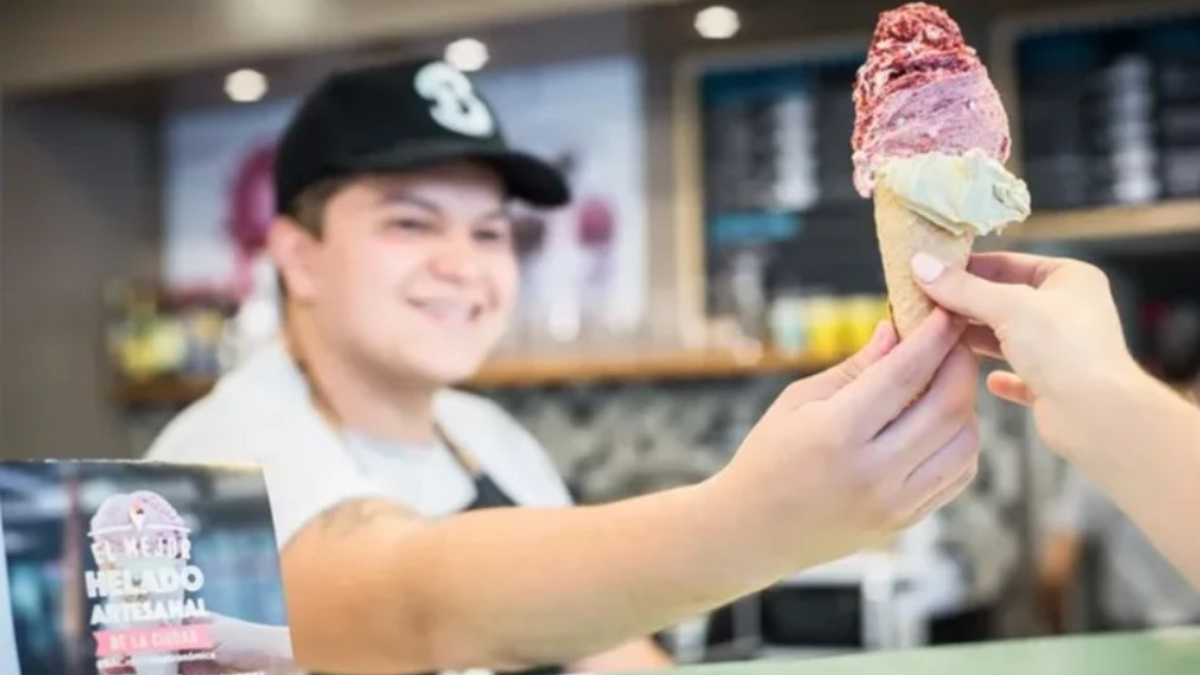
(294,250)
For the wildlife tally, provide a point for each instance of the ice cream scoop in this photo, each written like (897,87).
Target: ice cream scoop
(922,89)
(969,193)
(930,140)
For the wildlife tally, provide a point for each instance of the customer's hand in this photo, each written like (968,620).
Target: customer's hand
(1052,319)
(847,458)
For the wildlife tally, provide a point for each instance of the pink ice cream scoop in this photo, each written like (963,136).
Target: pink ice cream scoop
(922,89)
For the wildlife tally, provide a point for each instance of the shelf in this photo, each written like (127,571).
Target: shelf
(165,391)
(671,366)
(1113,222)
(666,366)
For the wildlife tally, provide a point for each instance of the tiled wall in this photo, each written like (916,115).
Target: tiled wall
(615,441)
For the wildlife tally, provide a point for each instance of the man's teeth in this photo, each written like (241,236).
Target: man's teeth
(450,311)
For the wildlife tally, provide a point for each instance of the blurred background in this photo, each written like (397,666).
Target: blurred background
(714,251)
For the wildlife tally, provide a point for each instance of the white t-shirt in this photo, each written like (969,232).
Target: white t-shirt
(262,412)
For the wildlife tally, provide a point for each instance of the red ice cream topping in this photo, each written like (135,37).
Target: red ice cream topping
(922,88)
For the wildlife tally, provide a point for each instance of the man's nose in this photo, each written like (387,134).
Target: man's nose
(456,257)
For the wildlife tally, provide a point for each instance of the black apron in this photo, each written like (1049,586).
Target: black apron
(489,495)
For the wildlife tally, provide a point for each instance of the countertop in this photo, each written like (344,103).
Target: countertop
(1173,652)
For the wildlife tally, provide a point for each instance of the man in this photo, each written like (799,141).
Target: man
(393,495)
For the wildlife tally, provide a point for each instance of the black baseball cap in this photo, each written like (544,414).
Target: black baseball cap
(400,116)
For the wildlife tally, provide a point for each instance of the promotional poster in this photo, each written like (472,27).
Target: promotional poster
(135,568)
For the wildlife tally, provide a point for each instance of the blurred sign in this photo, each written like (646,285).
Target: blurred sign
(584,264)
(137,568)
(1109,108)
(789,243)
(218,195)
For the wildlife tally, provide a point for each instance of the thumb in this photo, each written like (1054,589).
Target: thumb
(963,293)
(830,381)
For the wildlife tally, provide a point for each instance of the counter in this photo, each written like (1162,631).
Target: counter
(1175,652)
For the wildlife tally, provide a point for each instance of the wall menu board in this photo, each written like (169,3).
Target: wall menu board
(1110,111)
(780,211)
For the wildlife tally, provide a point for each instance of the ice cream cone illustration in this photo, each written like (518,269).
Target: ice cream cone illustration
(137,514)
(140,536)
(930,139)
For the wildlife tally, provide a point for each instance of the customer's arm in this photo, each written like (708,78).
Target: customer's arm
(1055,322)
(1141,444)
(840,461)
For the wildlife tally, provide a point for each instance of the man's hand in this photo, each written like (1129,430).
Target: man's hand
(851,456)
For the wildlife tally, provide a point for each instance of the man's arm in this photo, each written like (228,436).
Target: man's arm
(841,460)
(642,654)
(1142,445)
(374,589)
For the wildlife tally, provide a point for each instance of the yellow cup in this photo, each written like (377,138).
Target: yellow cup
(823,316)
(863,313)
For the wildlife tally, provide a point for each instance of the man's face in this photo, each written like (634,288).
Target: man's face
(415,273)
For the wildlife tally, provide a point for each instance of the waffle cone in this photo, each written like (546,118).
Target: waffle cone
(902,234)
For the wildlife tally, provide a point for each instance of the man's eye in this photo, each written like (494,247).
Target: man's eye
(410,224)
(491,234)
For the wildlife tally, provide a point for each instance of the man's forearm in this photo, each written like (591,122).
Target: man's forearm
(670,557)
(1143,447)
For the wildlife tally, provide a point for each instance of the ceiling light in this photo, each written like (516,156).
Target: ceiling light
(245,86)
(717,23)
(467,54)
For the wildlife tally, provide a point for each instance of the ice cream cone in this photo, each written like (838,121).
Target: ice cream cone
(902,234)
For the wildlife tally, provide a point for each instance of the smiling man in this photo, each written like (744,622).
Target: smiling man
(394,494)
(396,263)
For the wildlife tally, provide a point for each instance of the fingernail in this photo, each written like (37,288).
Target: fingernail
(883,332)
(926,267)
(879,331)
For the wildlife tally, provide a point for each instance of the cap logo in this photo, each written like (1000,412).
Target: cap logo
(454,103)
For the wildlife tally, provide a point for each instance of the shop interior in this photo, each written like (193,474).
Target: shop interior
(715,249)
